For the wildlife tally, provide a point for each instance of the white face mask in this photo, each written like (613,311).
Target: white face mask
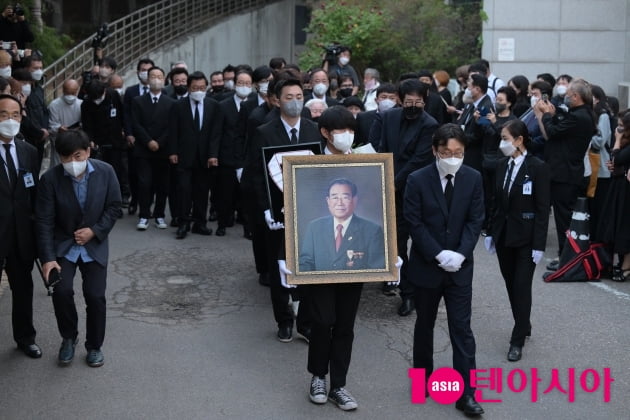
(37,74)
(385,104)
(561,90)
(450,165)
(467,98)
(75,168)
(156,84)
(263,88)
(229,84)
(26,89)
(344,60)
(104,72)
(5,72)
(197,96)
(533,101)
(320,89)
(143,76)
(9,128)
(343,141)
(69,99)
(243,91)
(507,148)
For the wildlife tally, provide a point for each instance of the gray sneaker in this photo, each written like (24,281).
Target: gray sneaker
(343,399)
(317,393)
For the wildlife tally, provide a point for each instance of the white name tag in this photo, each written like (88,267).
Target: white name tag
(527,188)
(112,113)
(28,180)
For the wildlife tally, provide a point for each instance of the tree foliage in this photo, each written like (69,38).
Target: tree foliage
(396,37)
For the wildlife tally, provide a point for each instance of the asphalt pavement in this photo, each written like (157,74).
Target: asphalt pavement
(190,335)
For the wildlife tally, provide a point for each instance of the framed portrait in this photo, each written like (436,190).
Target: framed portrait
(340,219)
(272,156)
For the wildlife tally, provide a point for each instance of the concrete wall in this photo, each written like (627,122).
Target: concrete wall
(583,38)
(250,38)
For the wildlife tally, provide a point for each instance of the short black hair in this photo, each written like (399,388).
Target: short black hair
(518,128)
(229,69)
(277,63)
(22,75)
(337,117)
(109,62)
(510,94)
(407,76)
(144,61)
(260,73)
(196,75)
(425,73)
(26,63)
(547,77)
(412,87)
(214,73)
(342,181)
(13,98)
(343,48)
(178,70)
(386,87)
(480,81)
(95,89)
(446,132)
(156,68)
(281,84)
(70,141)
(544,87)
(478,67)
(353,100)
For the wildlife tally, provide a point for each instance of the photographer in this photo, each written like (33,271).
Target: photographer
(337,62)
(14,27)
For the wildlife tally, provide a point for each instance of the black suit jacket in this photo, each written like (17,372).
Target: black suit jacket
(59,213)
(411,146)
(232,144)
(521,218)
(364,124)
(130,93)
(274,134)
(435,228)
(17,205)
(193,146)
(474,132)
(150,122)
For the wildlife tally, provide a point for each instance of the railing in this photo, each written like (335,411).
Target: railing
(141,32)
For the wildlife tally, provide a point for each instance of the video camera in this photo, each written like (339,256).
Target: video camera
(332,51)
(18,10)
(101,37)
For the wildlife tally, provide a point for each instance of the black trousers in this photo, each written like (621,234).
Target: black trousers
(19,274)
(193,186)
(173,199)
(132,170)
(402,238)
(333,312)
(94,278)
(153,177)
(227,192)
(258,227)
(563,198)
(458,308)
(118,158)
(517,269)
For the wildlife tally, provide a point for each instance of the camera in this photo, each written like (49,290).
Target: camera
(332,51)
(18,10)
(101,37)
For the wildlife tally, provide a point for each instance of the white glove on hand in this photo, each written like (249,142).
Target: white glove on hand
(489,244)
(239,174)
(441,257)
(537,256)
(399,263)
(272,224)
(452,261)
(282,267)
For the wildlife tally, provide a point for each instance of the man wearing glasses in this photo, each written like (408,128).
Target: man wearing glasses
(406,132)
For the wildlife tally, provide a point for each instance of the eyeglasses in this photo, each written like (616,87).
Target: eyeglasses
(417,103)
(448,154)
(347,86)
(248,84)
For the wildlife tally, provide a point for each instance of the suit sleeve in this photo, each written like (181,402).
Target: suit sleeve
(141,134)
(413,209)
(258,171)
(422,155)
(542,203)
(173,130)
(128,104)
(307,251)
(113,203)
(45,219)
(474,218)
(216,131)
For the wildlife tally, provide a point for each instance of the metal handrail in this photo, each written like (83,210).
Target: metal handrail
(137,34)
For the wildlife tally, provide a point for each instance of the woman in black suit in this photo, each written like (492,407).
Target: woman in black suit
(518,225)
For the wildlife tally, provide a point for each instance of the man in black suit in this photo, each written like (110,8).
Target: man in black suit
(179,83)
(406,132)
(320,84)
(290,128)
(18,182)
(386,98)
(150,125)
(78,204)
(444,209)
(194,136)
(142,70)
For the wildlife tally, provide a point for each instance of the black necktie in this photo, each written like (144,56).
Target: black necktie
(508,179)
(10,166)
(145,90)
(155,100)
(294,138)
(448,191)
(197,124)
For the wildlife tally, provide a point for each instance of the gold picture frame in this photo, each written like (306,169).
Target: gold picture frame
(368,252)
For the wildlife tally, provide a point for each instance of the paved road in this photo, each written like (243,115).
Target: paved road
(190,335)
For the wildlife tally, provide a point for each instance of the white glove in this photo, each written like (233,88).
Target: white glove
(537,256)
(452,261)
(441,257)
(399,263)
(282,267)
(272,224)
(239,174)
(489,244)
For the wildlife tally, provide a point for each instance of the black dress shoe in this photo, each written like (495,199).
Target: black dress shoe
(469,406)
(515,353)
(174,223)
(553,265)
(304,334)
(285,334)
(213,216)
(406,307)
(31,350)
(181,231)
(247,234)
(66,352)
(220,231)
(201,229)
(263,279)
(133,207)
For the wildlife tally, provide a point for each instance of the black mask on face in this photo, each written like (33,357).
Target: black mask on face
(500,107)
(412,112)
(345,92)
(180,90)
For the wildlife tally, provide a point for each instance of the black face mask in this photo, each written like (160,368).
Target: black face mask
(500,108)
(345,92)
(412,112)
(218,89)
(180,90)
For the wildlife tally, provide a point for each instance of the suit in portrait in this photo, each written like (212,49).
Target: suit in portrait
(318,253)
(435,228)
(18,248)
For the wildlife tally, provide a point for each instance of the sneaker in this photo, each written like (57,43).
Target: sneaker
(161,223)
(95,358)
(343,399)
(317,393)
(143,224)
